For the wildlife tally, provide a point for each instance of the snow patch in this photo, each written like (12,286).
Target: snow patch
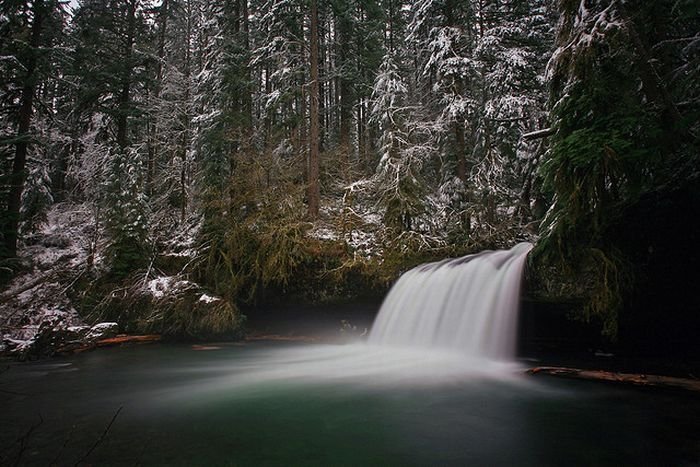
(208,298)
(167,285)
(322,233)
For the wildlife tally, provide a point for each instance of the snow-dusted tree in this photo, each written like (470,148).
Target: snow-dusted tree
(28,34)
(606,141)
(620,120)
(126,211)
(441,31)
(51,144)
(280,59)
(171,108)
(112,69)
(479,76)
(110,65)
(513,41)
(223,99)
(399,189)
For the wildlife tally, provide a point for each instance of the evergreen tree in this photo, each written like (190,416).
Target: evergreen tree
(29,32)
(112,69)
(126,211)
(619,129)
(111,64)
(398,186)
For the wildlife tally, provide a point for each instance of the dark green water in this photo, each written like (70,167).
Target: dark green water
(272,404)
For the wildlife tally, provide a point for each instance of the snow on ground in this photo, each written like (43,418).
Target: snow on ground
(208,298)
(352,220)
(324,233)
(167,285)
(54,257)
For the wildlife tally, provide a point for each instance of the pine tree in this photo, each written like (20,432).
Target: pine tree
(125,211)
(313,188)
(398,186)
(29,31)
(112,69)
(619,131)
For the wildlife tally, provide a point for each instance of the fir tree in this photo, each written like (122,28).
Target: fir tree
(29,31)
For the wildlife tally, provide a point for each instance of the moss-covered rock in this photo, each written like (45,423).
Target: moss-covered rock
(168,305)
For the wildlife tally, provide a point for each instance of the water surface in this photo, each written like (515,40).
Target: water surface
(284,404)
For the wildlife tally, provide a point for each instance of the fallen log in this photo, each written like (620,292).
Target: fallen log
(109,342)
(635,379)
(279,337)
(125,338)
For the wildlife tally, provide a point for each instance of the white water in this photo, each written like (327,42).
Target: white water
(468,305)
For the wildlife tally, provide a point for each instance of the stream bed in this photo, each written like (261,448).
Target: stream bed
(272,403)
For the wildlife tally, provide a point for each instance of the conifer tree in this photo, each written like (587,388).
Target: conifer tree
(29,31)
(112,70)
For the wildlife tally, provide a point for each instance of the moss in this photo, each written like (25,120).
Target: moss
(596,280)
(180,312)
(186,316)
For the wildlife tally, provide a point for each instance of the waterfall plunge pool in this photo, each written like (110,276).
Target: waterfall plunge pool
(436,384)
(271,403)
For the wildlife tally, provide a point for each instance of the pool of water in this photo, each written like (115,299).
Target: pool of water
(298,404)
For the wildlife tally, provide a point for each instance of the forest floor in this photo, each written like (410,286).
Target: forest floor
(36,301)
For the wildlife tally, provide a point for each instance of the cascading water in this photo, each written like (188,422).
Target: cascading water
(468,304)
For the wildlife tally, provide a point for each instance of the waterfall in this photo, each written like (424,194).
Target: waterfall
(469,305)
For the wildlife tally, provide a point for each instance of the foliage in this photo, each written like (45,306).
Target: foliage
(164,112)
(182,310)
(399,189)
(36,197)
(618,134)
(125,212)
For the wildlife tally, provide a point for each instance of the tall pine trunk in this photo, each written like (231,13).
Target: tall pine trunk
(125,92)
(153,130)
(460,151)
(345,93)
(314,193)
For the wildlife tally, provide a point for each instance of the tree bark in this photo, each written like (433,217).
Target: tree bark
(10,225)
(125,92)
(459,150)
(185,145)
(313,193)
(345,88)
(153,130)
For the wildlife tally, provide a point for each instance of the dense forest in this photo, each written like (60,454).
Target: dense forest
(164,163)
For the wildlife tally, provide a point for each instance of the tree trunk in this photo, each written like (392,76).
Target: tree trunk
(345,94)
(10,225)
(459,151)
(186,117)
(125,92)
(153,130)
(313,193)
(247,92)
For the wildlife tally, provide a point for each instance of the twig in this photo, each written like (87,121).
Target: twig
(543,133)
(65,443)
(101,438)
(148,271)
(74,281)
(23,440)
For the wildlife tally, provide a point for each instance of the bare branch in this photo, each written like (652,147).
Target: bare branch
(543,133)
